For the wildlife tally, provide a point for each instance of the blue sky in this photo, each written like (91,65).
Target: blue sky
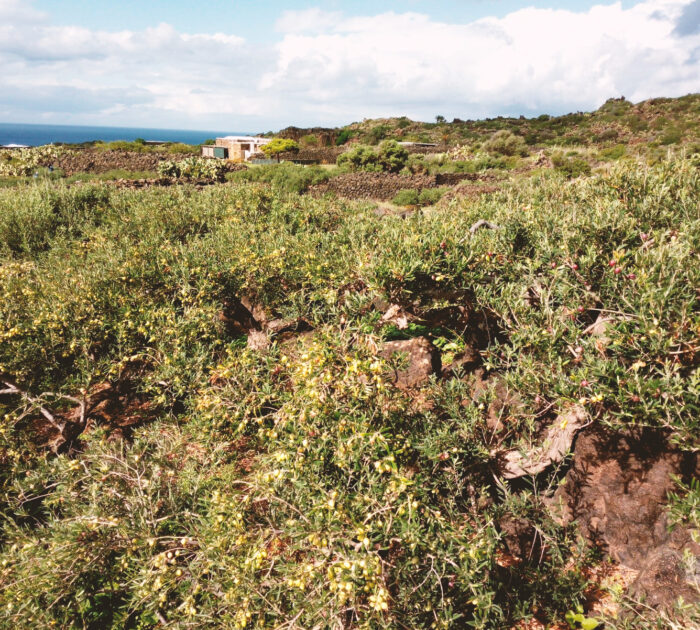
(264,64)
(234,15)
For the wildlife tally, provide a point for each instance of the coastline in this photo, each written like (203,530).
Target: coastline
(29,134)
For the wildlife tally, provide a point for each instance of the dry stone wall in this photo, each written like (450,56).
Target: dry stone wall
(451,179)
(323,155)
(92,161)
(381,186)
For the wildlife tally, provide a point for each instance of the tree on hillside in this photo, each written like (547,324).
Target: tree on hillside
(279,146)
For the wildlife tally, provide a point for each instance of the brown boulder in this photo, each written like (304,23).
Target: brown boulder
(617,491)
(418,359)
(663,579)
(258,341)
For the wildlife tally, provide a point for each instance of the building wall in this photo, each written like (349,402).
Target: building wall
(239,151)
(234,149)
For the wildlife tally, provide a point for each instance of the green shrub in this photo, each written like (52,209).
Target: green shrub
(194,168)
(672,135)
(391,156)
(412,197)
(506,143)
(180,147)
(406,197)
(361,158)
(47,213)
(573,140)
(377,134)
(430,196)
(343,137)
(614,153)
(607,135)
(571,166)
(478,163)
(297,486)
(123,145)
(286,177)
(416,163)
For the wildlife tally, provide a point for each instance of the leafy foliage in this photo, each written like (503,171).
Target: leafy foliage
(25,161)
(390,157)
(571,166)
(287,177)
(343,137)
(506,143)
(298,486)
(193,168)
(406,197)
(412,197)
(277,146)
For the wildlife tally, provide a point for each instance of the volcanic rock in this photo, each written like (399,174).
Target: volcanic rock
(419,359)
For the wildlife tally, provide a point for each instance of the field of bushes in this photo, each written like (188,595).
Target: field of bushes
(248,407)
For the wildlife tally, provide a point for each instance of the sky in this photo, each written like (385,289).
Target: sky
(259,65)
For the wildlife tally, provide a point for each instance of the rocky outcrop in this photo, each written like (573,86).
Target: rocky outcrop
(617,491)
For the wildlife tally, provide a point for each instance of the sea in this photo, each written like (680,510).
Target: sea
(36,135)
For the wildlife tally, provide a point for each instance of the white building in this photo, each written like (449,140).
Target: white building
(236,148)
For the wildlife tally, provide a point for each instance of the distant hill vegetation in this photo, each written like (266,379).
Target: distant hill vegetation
(659,122)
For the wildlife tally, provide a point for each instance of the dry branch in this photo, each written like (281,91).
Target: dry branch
(36,403)
(483,223)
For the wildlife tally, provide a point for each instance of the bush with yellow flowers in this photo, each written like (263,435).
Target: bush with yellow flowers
(297,486)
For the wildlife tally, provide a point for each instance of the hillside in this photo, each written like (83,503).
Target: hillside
(359,396)
(658,122)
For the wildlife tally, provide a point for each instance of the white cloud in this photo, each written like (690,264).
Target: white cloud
(308,20)
(328,68)
(532,58)
(177,77)
(19,11)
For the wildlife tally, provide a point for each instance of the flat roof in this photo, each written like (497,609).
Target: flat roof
(245,138)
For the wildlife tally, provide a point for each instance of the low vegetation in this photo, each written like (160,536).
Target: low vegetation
(657,123)
(425,197)
(160,470)
(25,162)
(194,168)
(200,426)
(389,157)
(286,177)
(140,146)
